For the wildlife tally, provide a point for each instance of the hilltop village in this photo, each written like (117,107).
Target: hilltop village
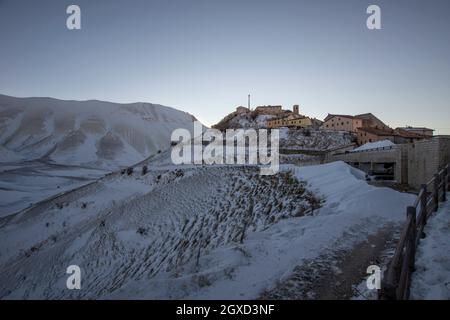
(363,128)
(404,155)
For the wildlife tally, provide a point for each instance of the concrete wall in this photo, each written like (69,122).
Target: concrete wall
(415,163)
(393,155)
(427,157)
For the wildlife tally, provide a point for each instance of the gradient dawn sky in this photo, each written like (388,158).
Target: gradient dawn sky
(204,57)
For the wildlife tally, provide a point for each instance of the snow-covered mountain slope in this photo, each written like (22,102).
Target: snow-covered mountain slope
(92,133)
(188,231)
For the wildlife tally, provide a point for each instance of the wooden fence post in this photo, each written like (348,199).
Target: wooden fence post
(408,257)
(411,248)
(436,192)
(423,205)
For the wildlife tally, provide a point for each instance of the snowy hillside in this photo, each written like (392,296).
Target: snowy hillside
(94,133)
(319,140)
(190,231)
(249,120)
(244,120)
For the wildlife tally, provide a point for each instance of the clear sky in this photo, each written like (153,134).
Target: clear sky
(205,56)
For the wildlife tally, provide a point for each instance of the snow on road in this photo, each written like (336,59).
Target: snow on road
(431,280)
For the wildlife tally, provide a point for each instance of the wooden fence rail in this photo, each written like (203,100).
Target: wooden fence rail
(397,278)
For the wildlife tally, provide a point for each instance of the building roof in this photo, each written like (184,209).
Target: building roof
(366,116)
(389,132)
(329,116)
(269,106)
(369,117)
(378,132)
(415,128)
(407,134)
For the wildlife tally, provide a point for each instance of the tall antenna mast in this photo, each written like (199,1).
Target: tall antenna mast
(249,102)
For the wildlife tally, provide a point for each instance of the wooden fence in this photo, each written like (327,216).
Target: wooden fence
(397,278)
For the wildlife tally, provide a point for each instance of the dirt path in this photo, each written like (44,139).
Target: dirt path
(336,275)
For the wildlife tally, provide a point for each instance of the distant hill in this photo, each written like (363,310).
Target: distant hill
(95,133)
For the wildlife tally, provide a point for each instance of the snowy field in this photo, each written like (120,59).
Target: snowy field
(190,232)
(24,184)
(431,280)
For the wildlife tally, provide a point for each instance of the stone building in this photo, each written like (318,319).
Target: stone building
(368,134)
(369,120)
(292,120)
(397,136)
(419,130)
(273,110)
(342,122)
(404,136)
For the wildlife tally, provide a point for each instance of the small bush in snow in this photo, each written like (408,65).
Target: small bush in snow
(203,281)
(144,170)
(142,231)
(130,171)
